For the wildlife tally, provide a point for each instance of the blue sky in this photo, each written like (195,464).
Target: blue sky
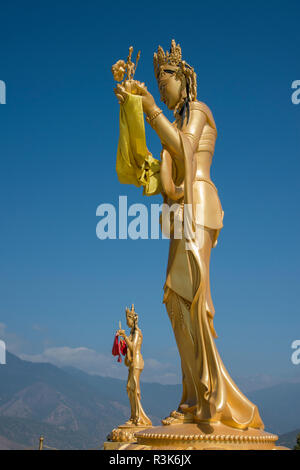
(61,288)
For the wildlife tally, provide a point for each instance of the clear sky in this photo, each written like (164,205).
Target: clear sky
(61,288)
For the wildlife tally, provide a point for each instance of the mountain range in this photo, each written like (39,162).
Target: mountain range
(75,410)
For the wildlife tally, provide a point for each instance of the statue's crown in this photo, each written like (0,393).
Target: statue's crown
(162,58)
(131,313)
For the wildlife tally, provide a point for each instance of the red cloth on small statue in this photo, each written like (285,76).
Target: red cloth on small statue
(123,347)
(119,348)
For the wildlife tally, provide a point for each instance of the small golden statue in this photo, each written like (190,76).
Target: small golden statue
(135,363)
(125,433)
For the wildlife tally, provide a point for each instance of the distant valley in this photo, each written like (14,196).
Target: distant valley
(75,410)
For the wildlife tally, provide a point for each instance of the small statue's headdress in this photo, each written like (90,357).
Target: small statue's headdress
(172,61)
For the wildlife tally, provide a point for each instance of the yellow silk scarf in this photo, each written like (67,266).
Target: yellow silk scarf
(135,164)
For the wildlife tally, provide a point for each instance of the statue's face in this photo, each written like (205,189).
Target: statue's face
(129,321)
(170,87)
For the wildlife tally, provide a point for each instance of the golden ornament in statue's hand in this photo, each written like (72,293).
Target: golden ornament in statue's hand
(118,70)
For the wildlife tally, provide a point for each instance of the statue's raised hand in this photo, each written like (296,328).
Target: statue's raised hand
(136,88)
(122,90)
(148,101)
(121,333)
(121,93)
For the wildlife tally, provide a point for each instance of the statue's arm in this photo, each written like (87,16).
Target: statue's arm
(170,135)
(126,339)
(129,343)
(135,338)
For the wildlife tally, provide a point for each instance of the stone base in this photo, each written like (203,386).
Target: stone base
(202,436)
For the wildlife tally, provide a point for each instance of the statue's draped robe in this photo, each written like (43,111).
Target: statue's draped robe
(135,363)
(135,164)
(209,394)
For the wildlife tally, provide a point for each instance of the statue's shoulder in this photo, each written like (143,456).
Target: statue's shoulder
(200,106)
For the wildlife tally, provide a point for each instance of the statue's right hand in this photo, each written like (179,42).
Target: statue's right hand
(121,333)
(139,88)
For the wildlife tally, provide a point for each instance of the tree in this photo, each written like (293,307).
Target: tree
(297,446)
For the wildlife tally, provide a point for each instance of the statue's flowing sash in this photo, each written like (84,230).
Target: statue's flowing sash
(135,164)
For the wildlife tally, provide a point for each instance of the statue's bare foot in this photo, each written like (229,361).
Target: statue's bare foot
(140,422)
(130,422)
(175,418)
(187,410)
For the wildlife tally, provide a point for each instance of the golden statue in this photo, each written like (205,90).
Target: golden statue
(210,400)
(125,433)
(135,363)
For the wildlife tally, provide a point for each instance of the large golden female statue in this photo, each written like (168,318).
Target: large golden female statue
(209,394)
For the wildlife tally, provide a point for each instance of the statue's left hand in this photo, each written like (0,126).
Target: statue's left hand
(120,93)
